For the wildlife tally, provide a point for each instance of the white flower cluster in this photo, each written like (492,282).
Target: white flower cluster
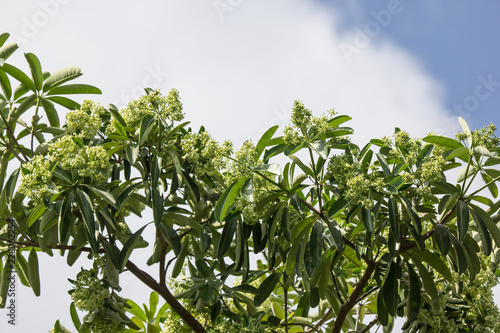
(205,154)
(305,127)
(36,179)
(479,298)
(166,107)
(89,292)
(86,121)
(90,161)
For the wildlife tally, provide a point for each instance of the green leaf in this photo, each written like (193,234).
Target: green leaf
(483,232)
(338,206)
(6,50)
(146,127)
(394,217)
(336,121)
(488,222)
(105,195)
(247,189)
(336,234)
(430,287)
(153,302)
(19,76)
(3,38)
(460,152)
(35,215)
(443,239)
(443,141)
(63,101)
(77,141)
(5,83)
(266,288)
(433,260)
(51,113)
(462,219)
(460,255)
(157,206)
(36,70)
(86,209)
(172,238)
(466,130)
(216,309)
(384,164)
(60,76)
(65,217)
(33,272)
(383,315)
(74,317)
(320,147)
(390,289)
(128,248)
(246,288)
(136,310)
(366,216)
(414,297)
(316,243)
(273,168)
(179,262)
(203,268)
(302,166)
(227,199)
(412,214)
(77,88)
(227,237)
(116,114)
(492,187)
(185,221)
(264,141)
(23,107)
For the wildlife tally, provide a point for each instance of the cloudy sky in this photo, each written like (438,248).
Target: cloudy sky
(239,64)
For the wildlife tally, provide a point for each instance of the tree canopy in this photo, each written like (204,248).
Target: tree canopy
(303,231)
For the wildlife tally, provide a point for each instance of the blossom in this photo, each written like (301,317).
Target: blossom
(304,126)
(166,107)
(89,292)
(90,161)
(483,137)
(205,154)
(86,121)
(36,179)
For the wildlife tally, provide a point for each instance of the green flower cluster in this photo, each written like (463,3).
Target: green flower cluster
(428,169)
(36,179)
(89,292)
(241,167)
(166,107)
(205,154)
(90,161)
(479,300)
(107,326)
(346,173)
(305,127)
(85,122)
(482,137)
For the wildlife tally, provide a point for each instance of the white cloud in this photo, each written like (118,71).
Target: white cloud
(239,75)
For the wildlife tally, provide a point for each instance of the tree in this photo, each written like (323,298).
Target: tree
(338,237)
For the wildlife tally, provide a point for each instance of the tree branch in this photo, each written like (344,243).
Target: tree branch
(353,298)
(167,295)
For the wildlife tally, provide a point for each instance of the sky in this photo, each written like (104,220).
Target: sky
(240,64)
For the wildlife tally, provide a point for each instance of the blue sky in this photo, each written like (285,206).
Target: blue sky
(455,41)
(239,64)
